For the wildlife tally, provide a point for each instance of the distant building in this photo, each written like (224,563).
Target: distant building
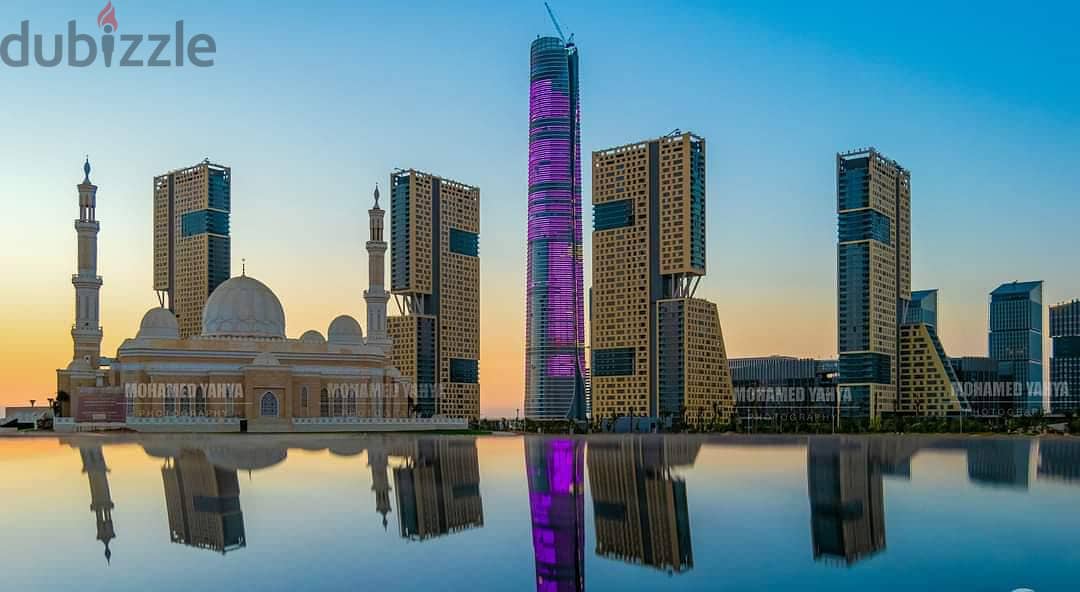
(808,386)
(1016,340)
(435,275)
(1065,363)
(639,506)
(874,275)
(927,384)
(978,377)
(657,351)
(191,239)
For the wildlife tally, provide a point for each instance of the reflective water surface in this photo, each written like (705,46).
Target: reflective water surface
(548,514)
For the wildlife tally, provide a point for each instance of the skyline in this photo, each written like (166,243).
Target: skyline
(961,209)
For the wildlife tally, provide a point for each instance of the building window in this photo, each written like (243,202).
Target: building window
(324,403)
(304,398)
(268,405)
(350,408)
(339,404)
(200,402)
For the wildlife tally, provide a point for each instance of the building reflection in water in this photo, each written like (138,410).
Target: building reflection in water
(847,499)
(438,488)
(640,508)
(101,504)
(1059,460)
(556,476)
(203,503)
(1001,462)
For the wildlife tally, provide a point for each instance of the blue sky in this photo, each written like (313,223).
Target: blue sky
(311,104)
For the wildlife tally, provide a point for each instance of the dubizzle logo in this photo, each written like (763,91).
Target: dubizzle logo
(82,49)
(106,19)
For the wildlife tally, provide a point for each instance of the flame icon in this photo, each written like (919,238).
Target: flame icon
(106,19)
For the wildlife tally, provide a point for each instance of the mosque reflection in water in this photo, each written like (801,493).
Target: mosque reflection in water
(639,500)
(437,483)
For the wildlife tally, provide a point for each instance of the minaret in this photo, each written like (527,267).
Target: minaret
(101,503)
(86,333)
(376,295)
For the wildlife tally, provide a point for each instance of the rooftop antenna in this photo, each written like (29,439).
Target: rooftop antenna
(555,21)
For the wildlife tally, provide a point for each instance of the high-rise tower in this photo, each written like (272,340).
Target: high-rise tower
(657,350)
(376,295)
(555,302)
(1016,341)
(435,278)
(191,239)
(874,277)
(1065,365)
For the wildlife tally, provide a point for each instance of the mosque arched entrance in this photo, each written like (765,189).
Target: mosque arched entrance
(268,405)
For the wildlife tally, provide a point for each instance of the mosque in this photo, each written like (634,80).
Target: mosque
(241,373)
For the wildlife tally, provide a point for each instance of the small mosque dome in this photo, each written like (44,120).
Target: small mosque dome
(344,330)
(312,336)
(243,307)
(158,323)
(266,359)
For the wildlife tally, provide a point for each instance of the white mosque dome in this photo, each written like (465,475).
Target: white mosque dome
(344,330)
(243,307)
(266,359)
(312,336)
(158,323)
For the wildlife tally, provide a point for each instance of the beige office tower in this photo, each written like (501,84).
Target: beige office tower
(656,349)
(191,239)
(874,278)
(435,280)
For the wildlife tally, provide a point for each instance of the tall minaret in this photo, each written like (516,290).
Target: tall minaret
(376,295)
(87,330)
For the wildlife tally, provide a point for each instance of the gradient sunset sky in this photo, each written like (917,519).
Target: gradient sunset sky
(312,104)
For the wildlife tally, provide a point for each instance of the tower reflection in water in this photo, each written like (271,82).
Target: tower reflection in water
(203,503)
(641,514)
(847,499)
(556,476)
(438,488)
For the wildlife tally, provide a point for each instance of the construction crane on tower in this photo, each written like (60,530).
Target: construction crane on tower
(568,42)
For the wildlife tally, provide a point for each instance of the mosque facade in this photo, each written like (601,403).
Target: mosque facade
(241,372)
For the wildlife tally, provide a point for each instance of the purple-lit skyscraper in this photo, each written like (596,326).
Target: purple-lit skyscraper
(556,499)
(555,303)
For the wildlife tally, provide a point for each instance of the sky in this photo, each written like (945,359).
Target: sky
(311,105)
